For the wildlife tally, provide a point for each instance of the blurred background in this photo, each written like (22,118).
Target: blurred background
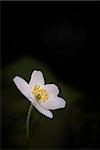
(62,39)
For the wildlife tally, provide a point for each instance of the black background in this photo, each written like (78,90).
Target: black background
(63,35)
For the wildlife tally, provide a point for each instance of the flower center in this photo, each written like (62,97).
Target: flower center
(40,94)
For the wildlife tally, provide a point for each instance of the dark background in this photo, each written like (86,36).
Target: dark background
(66,37)
(62,34)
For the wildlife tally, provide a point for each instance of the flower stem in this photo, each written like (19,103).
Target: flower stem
(28,119)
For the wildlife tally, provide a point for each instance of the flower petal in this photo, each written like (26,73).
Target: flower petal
(53,102)
(36,79)
(42,110)
(52,89)
(23,86)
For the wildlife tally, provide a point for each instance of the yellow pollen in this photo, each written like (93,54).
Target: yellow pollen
(40,94)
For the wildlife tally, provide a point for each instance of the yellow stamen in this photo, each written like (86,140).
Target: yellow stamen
(40,94)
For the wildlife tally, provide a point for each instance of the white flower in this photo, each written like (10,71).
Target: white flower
(43,97)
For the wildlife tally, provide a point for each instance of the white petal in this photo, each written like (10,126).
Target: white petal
(23,86)
(42,110)
(36,79)
(53,102)
(52,89)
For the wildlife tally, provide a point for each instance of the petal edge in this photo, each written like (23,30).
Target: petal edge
(36,79)
(43,111)
(54,102)
(23,86)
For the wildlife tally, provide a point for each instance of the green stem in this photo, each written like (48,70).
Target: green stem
(28,119)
